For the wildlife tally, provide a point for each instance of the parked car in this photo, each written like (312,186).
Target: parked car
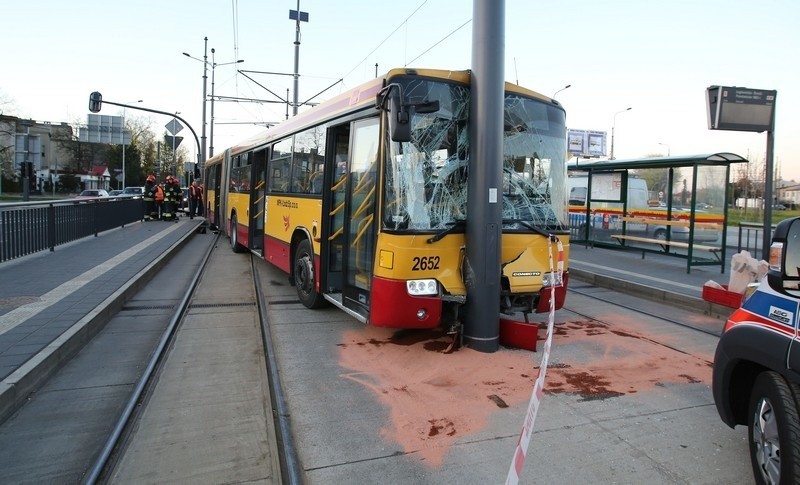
(114,193)
(755,378)
(92,193)
(779,207)
(133,191)
(185,199)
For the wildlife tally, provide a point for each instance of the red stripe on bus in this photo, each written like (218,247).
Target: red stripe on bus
(392,307)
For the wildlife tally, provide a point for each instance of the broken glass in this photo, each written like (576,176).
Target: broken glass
(426,178)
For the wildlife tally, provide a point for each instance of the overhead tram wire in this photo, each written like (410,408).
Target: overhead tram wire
(249,100)
(261,85)
(440,41)
(235,19)
(387,38)
(304,103)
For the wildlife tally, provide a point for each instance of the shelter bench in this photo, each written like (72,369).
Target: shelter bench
(621,238)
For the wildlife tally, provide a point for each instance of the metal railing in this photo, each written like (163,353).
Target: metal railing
(751,239)
(30,227)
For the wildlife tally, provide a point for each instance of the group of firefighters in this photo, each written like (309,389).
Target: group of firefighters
(162,201)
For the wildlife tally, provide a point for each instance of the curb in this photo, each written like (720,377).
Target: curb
(652,293)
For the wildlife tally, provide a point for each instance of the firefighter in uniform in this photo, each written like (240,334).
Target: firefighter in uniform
(195,198)
(201,200)
(169,200)
(158,195)
(177,195)
(150,210)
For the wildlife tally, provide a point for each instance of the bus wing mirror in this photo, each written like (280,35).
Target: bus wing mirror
(399,126)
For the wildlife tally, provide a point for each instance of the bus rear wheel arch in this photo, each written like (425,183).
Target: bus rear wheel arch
(236,246)
(304,275)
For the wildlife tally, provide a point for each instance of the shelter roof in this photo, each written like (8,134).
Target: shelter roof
(722,158)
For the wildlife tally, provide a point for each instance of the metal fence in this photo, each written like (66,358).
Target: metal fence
(747,236)
(30,227)
(751,239)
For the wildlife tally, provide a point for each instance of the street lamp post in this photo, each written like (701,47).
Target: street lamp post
(664,144)
(565,87)
(613,126)
(213,68)
(123,141)
(174,155)
(204,60)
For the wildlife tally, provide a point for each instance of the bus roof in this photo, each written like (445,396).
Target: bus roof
(359,98)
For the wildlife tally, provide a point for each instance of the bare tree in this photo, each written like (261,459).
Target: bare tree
(7,132)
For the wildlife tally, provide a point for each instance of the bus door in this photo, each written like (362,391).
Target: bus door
(359,214)
(257,198)
(223,181)
(211,184)
(332,245)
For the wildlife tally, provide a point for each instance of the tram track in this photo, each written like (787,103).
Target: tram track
(89,415)
(639,307)
(133,407)
(290,464)
(290,471)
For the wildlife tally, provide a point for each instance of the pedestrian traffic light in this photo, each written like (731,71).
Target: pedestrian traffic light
(95,102)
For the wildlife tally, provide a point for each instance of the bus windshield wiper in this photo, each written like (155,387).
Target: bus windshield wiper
(528,225)
(458,223)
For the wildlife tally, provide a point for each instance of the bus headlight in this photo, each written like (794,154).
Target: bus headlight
(552,279)
(422,287)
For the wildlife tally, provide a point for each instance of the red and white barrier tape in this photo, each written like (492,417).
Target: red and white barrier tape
(536,396)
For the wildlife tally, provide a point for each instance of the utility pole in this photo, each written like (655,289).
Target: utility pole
(485,200)
(297,16)
(205,82)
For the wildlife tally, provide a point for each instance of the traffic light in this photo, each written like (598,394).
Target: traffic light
(95,102)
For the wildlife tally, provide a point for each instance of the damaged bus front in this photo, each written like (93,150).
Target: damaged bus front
(420,260)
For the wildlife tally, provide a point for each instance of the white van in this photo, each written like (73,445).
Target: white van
(606,188)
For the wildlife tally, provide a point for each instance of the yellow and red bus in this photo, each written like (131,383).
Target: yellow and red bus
(370,216)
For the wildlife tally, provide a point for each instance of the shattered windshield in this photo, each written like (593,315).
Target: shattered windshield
(426,178)
(534,167)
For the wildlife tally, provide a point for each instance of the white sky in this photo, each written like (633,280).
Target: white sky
(656,57)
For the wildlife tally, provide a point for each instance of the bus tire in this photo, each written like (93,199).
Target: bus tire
(660,234)
(774,429)
(305,276)
(235,245)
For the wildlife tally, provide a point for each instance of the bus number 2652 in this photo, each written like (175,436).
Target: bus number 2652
(425,263)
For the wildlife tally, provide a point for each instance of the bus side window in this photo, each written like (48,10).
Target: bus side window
(316,178)
(280,166)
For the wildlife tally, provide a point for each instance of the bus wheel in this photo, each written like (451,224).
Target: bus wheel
(305,279)
(660,234)
(774,427)
(235,245)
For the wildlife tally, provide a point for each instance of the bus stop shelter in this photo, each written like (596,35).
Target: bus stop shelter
(677,206)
